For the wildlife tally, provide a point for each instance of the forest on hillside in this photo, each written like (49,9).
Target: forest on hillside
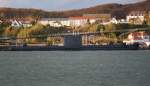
(117,10)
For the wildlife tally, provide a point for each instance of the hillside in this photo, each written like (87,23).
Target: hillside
(145,5)
(117,10)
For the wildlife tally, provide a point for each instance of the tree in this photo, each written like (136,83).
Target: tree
(100,28)
(10,32)
(147,18)
(110,27)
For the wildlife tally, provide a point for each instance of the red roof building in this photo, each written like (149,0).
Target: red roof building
(138,37)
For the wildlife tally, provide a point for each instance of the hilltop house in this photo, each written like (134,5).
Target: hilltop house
(80,21)
(55,22)
(137,17)
(90,18)
(138,37)
(21,23)
(118,21)
(16,23)
(77,20)
(101,17)
(105,19)
(69,22)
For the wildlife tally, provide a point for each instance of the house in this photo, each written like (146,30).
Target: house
(103,17)
(118,21)
(55,22)
(21,23)
(138,37)
(76,21)
(70,22)
(16,23)
(80,21)
(137,17)
(26,23)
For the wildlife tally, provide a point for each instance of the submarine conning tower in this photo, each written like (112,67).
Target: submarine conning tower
(73,41)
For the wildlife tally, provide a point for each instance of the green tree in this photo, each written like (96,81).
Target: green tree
(100,28)
(110,27)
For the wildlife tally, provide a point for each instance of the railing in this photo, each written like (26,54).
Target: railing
(76,33)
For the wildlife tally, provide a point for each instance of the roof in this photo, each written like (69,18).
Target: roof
(97,15)
(54,19)
(80,17)
(102,16)
(138,12)
(22,21)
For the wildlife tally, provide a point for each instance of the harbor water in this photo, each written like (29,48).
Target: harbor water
(75,68)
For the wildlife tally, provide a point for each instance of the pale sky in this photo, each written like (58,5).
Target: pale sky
(57,5)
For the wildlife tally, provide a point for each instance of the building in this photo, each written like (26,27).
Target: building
(103,17)
(80,21)
(76,21)
(55,22)
(21,23)
(70,22)
(138,37)
(16,23)
(119,21)
(137,17)
(26,23)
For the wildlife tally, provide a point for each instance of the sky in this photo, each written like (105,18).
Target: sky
(58,5)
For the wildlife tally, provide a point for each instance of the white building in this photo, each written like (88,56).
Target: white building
(55,22)
(102,17)
(15,23)
(119,21)
(70,22)
(80,21)
(137,17)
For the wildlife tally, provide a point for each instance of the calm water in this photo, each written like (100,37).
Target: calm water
(75,68)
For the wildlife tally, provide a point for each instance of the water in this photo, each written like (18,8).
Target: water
(75,68)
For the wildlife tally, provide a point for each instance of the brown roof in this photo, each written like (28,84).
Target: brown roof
(82,17)
(139,12)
